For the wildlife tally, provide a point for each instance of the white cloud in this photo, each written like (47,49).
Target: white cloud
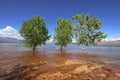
(10,32)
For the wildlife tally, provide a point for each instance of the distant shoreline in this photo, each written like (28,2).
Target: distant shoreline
(110,43)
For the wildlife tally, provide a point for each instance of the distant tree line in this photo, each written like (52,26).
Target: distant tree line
(85,30)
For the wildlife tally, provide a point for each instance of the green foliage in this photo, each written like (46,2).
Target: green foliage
(34,32)
(87,30)
(63,32)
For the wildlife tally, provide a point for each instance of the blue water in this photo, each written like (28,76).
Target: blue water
(19,47)
(102,50)
(13,53)
(75,46)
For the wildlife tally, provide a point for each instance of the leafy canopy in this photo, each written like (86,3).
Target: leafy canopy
(34,32)
(63,32)
(87,30)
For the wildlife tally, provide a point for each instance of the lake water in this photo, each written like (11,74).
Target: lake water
(12,54)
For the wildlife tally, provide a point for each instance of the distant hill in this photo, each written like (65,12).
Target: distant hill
(116,42)
(9,40)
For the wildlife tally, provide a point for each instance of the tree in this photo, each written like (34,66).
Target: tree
(63,32)
(87,31)
(34,32)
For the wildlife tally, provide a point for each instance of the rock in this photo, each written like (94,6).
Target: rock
(117,74)
(8,72)
(35,68)
(58,74)
(94,67)
(86,69)
(69,62)
(103,75)
(2,73)
(80,69)
(32,63)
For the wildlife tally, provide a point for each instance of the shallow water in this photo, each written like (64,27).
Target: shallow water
(12,54)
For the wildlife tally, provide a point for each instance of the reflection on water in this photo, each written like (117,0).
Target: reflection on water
(43,56)
(12,54)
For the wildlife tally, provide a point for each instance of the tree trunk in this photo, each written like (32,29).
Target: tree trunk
(84,52)
(83,48)
(34,48)
(61,48)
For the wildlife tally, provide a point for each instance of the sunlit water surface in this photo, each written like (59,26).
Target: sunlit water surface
(12,54)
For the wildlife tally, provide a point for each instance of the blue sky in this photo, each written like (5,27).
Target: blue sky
(14,12)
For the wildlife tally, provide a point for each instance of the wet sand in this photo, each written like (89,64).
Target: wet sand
(51,64)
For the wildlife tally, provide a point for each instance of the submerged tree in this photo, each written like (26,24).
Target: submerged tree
(34,32)
(63,32)
(87,31)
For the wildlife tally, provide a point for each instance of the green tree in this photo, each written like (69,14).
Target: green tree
(63,32)
(34,32)
(87,30)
